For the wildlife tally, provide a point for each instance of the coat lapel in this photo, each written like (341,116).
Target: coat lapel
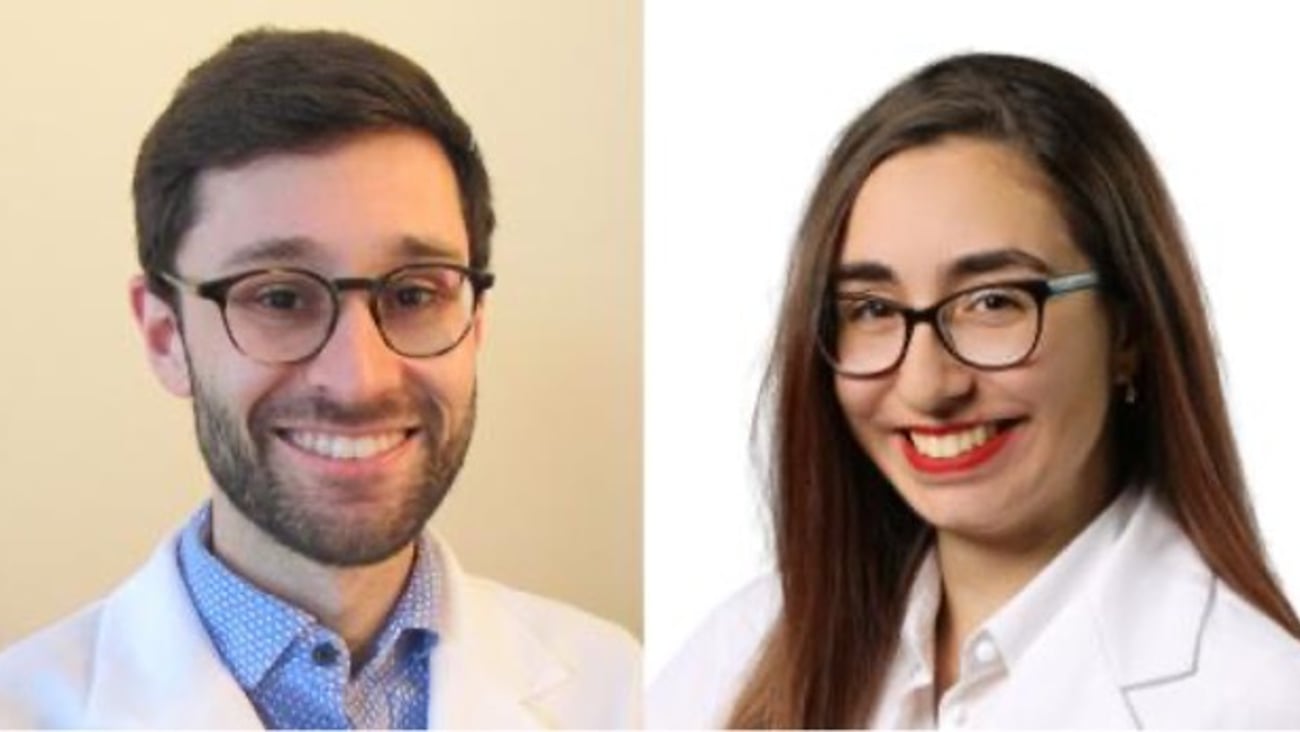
(488,667)
(154,665)
(1064,676)
(1136,626)
(1152,609)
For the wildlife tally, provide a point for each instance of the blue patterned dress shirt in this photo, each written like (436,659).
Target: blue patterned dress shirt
(298,673)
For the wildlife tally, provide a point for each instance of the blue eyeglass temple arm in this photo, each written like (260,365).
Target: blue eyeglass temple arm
(1071,282)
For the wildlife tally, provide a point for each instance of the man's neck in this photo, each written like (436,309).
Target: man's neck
(352,601)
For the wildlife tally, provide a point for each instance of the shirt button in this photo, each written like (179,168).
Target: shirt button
(959,716)
(325,654)
(985,652)
(423,648)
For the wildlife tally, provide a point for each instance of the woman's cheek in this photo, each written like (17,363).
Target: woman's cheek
(861,401)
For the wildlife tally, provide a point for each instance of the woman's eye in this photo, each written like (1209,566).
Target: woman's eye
(868,309)
(993,306)
(993,301)
(996,301)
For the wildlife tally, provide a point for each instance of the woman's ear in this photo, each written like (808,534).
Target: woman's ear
(161,329)
(1125,354)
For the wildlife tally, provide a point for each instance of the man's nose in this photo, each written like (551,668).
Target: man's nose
(930,379)
(355,364)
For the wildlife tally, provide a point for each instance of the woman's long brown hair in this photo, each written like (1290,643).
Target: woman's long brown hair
(847,546)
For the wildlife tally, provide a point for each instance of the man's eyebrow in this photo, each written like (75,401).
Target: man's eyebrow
(996,260)
(294,249)
(276,250)
(416,247)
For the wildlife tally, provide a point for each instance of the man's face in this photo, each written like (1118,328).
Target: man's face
(344,456)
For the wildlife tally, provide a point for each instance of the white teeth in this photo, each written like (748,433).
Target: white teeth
(339,447)
(954,443)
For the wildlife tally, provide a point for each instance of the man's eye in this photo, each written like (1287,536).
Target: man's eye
(413,296)
(280,299)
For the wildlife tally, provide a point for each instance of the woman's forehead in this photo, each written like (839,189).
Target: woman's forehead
(926,209)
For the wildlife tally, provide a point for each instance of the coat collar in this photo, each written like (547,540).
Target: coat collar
(1152,607)
(1138,624)
(488,666)
(155,666)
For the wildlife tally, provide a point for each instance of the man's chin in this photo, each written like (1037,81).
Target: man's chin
(347,541)
(340,523)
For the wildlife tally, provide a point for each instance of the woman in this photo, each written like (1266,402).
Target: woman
(1004,484)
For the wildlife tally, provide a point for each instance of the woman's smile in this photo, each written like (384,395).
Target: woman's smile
(957,450)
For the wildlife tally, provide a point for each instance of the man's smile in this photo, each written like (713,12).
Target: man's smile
(338,446)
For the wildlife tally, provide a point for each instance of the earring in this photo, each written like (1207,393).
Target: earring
(1130,393)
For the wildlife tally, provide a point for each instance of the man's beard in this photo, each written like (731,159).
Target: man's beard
(268,497)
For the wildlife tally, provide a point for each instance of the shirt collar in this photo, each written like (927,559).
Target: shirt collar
(922,612)
(416,612)
(1013,628)
(252,628)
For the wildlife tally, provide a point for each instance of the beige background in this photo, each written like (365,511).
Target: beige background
(97,462)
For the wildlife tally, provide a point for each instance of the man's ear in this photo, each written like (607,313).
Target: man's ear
(479,331)
(160,327)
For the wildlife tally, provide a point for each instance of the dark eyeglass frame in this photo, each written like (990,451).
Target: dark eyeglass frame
(1041,290)
(218,292)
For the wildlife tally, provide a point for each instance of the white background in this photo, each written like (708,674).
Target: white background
(743,100)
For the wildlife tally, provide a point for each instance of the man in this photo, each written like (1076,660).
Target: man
(313,221)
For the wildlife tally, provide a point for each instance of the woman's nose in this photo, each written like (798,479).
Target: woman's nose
(930,379)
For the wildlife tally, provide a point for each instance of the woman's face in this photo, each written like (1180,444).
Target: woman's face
(1013,456)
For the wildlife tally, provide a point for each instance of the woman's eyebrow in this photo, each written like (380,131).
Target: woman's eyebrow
(966,266)
(865,271)
(993,261)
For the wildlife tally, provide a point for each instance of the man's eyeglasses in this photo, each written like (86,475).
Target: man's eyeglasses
(992,326)
(278,316)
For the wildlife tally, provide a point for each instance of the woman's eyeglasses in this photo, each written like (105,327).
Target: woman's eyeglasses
(992,326)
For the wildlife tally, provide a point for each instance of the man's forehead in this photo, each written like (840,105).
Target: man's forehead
(375,200)
(305,251)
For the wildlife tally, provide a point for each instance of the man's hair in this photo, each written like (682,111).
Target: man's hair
(291,91)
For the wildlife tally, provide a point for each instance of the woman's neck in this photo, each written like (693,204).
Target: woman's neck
(979,576)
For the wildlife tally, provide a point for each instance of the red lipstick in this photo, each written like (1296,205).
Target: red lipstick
(965,461)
